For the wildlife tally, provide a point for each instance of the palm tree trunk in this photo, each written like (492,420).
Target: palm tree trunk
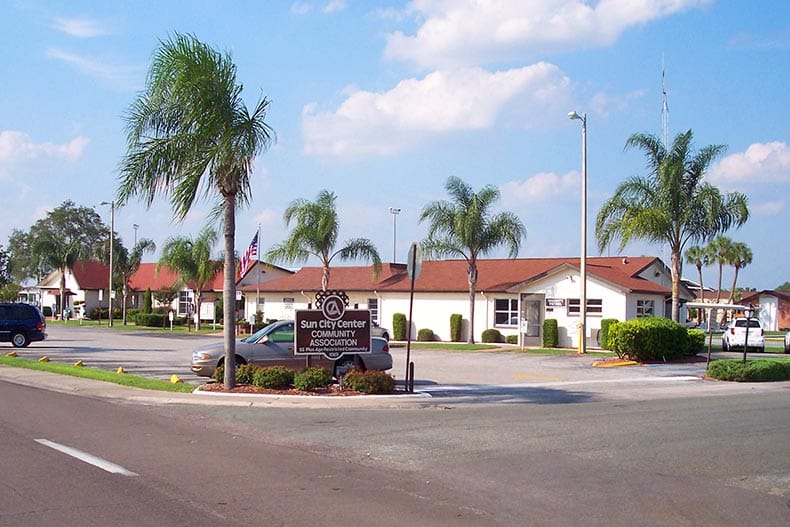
(677,269)
(198,298)
(732,289)
(124,293)
(325,277)
(229,293)
(62,305)
(700,311)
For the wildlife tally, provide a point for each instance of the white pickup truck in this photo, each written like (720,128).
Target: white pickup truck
(735,335)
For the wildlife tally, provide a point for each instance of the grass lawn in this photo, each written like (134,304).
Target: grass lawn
(205,329)
(124,379)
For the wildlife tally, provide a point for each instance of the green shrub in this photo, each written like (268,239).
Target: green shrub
(752,371)
(511,339)
(492,335)
(371,381)
(273,377)
(606,324)
(551,333)
(399,326)
(648,339)
(102,312)
(696,341)
(456,325)
(426,335)
(245,373)
(219,374)
(47,310)
(131,315)
(152,320)
(312,378)
(147,301)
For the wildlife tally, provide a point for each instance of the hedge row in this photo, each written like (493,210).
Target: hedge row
(653,338)
(752,370)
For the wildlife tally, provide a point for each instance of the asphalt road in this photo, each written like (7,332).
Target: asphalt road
(717,460)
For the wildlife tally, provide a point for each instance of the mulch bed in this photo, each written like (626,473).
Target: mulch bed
(333,390)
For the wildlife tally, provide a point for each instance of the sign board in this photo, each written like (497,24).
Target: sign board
(414,261)
(555,302)
(332,330)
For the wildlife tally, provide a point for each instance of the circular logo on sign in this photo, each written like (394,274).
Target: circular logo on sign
(333,307)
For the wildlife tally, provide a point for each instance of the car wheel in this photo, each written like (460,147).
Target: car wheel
(724,345)
(19,340)
(344,365)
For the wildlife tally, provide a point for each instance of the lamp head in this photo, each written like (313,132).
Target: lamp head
(394,210)
(574,115)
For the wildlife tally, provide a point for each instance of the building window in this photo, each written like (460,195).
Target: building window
(506,312)
(645,308)
(373,307)
(184,304)
(594,306)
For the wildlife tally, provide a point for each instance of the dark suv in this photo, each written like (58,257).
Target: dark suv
(21,324)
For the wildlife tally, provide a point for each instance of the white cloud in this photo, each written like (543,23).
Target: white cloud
(769,208)
(603,104)
(80,27)
(335,5)
(463,32)
(122,76)
(446,101)
(301,8)
(267,217)
(541,187)
(18,146)
(763,162)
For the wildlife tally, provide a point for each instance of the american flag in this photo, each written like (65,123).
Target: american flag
(249,256)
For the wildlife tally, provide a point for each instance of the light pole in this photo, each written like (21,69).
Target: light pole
(394,211)
(583,259)
(112,230)
(135,227)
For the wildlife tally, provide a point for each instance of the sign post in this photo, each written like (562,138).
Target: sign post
(413,267)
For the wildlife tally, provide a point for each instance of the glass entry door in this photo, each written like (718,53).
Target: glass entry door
(531,315)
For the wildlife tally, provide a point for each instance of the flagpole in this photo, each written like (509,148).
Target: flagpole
(258,266)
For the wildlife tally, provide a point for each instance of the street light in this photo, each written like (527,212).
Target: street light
(112,230)
(135,227)
(394,211)
(583,259)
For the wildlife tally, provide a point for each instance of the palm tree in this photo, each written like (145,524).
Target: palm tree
(127,264)
(191,259)
(672,205)
(739,257)
(699,257)
(720,249)
(465,227)
(61,254)
(315,234)
(190,134)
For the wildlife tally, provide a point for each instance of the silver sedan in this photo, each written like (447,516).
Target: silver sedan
(274,345)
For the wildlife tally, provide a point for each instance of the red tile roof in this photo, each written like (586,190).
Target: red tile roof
(165,278)
(495,275)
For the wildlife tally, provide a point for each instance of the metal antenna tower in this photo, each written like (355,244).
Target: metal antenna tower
(664,108)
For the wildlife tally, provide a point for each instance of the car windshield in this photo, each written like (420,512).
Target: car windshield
(258,335)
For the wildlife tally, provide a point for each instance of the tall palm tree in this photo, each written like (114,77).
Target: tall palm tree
(465,227)
(127,264)
(699,257)
(673,204)
(720,249)
(61,254)
(315,234)
(740,256)
(191,259)
(190,135)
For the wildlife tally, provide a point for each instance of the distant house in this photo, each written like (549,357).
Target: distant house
(86,283)
(774,308)
(514,296)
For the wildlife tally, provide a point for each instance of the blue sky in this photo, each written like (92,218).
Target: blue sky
(382,101)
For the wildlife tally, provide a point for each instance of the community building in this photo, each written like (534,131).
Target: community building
(514,296)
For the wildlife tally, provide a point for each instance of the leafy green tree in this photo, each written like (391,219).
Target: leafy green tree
(5,276)
(465,227)
(740,255)
(165,297)
(127,264)
(190,134)
(784,287)
(315,234)
(191,259)
(673,204)
(147,304)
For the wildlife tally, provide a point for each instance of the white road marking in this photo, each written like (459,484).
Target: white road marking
(87,458)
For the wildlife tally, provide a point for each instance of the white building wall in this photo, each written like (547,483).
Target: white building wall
(769,312)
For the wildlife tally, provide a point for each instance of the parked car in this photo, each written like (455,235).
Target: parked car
(787,341)
(734,335)
(21,324)
(274,346)
(378,331)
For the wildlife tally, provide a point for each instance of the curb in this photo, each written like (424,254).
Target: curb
(613,364)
